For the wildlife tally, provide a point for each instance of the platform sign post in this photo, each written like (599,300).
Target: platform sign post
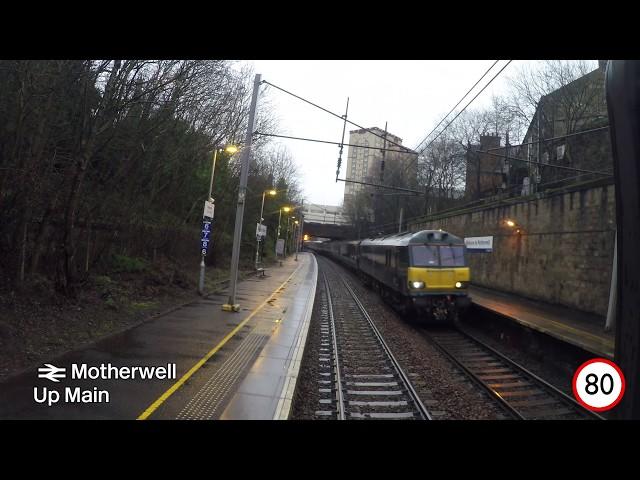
(205,239)
(261,233)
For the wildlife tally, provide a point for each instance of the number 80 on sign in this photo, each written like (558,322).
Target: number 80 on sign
(598,384)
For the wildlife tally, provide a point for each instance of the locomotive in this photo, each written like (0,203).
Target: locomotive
(424,273)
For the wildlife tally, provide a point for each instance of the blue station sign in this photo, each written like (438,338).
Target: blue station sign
(205,238)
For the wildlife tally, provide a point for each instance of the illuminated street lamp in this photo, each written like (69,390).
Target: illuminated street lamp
(296,236)
(230,149)
(272,192)
(287,245)
(286,210)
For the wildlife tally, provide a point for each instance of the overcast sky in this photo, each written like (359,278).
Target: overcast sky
(412,96)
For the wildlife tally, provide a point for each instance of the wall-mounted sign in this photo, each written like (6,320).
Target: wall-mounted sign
(479,244)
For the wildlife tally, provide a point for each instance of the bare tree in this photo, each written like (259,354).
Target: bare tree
(575,97)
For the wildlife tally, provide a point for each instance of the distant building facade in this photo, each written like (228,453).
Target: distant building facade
(487,173)
(365,164)
(548,157)
(576,107)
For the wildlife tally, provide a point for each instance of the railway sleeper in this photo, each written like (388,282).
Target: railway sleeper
(521,393)
(548,414)
(384,415)
(532,403)
(390,403)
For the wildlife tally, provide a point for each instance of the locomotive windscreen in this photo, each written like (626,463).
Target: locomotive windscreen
(434,256)
(424,256)
(451,256)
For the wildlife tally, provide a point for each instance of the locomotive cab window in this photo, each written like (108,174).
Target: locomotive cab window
(424,256)
(451,256)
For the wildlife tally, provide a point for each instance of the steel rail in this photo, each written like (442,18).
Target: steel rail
(339,394)
(424,413)
(546,385)
(477,380)
(533,379)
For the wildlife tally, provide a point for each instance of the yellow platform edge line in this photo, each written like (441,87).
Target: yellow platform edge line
(154,406)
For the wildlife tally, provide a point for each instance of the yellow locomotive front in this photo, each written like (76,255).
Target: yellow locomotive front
(438,274)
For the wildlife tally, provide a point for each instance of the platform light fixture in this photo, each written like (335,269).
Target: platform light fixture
(273,192)
(231,149)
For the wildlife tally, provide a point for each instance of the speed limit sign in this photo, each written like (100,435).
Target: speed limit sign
(598,384)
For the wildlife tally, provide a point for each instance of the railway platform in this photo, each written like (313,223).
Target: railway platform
(577,328)
(206,363)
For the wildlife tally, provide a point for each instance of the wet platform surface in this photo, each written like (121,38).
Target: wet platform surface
(577,328)
(214,351)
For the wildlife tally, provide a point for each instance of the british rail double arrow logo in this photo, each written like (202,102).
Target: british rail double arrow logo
(51,372)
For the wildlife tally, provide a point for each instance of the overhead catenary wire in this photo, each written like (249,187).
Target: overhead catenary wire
(466,106)
(341,117)
(482,203)
(456,105)
(349,145)
(416,192)
(542,140)
(562,167)
(325,141)
(412,162)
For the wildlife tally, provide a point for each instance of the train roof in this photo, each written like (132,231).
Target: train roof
(412,238)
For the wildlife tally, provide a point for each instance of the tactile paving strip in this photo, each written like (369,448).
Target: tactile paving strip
(205,404)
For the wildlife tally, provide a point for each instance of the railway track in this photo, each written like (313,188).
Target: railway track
(524,395)
(359,377)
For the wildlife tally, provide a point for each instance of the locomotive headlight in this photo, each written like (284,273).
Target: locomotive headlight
(458,284)
(417,284)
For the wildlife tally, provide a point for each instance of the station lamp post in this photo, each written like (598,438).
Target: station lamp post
(272,192)
(208,213)
(287,243)
(286,210)
(297,237)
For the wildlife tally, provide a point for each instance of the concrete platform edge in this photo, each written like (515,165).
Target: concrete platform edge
(283,409)
(545,331)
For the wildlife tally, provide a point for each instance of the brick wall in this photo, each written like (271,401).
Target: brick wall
(563,254)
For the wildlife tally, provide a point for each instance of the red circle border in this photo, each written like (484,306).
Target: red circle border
(575,380)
